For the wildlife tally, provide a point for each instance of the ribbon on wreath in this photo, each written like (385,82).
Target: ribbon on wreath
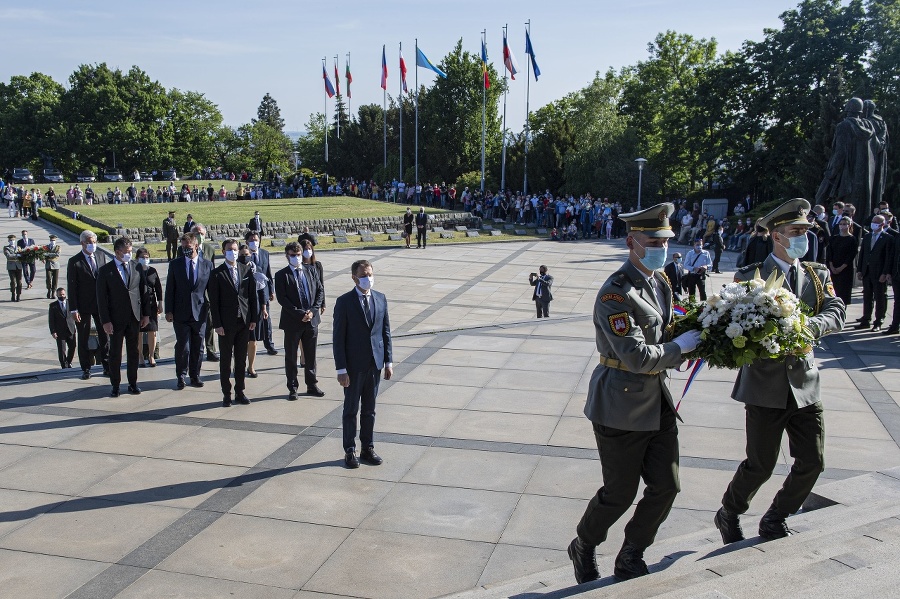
(694,366)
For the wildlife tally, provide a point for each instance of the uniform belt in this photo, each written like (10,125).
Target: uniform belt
(613,363)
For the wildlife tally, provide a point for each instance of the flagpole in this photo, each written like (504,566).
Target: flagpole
(400,104)
(349,112)
(384,105)
(416,92)
(483,111)
(527,115)
(505,91)
(337,105)
(324,67)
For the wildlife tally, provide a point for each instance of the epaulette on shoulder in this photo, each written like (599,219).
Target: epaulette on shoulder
(750,267)
(618,279)
(816,265)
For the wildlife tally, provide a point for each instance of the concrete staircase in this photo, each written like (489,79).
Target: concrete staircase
(846,545)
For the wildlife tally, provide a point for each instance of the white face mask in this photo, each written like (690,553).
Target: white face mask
(230,255)
(366,283)
(294,261)
(307,254)
(126,257)
(90,248)
(144,261)
(253,245)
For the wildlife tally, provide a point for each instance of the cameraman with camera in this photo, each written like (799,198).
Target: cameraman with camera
(696,264)
(542,296)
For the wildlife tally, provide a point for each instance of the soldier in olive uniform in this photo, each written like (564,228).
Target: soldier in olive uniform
(783,395)
(629,403)
(13,268)
(51,266)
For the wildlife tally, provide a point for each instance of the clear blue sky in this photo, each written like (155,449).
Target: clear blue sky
(236,51)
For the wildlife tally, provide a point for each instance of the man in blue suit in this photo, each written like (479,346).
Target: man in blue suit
(362,347)
(187,307)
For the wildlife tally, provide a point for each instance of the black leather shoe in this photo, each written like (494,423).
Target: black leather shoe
(876,327)
(772,526)
(180,384)
(226,401)
(315,391)
(271,351)
(114,392)
(892,330)
(85,375)
(251,374)
(863,324)
(368,456)
(196,383)
(630,562)
(584,559)
(729,526)
(292,396)
(212,357)
(350,459)
(134,389)
(240,398)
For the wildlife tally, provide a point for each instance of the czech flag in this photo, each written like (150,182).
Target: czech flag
(337,80)
(403,72)
(529,50)
(484,69)
(329,89)
(349,78)
(509,61)
(383,69)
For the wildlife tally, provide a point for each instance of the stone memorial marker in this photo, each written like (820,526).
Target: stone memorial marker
(472,234)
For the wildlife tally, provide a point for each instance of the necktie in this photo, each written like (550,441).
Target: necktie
(234,277)
(368,310)
(539,292)
(62,306)
(124,269)
(191,272)
(301,287)
(792,278)
(93,264)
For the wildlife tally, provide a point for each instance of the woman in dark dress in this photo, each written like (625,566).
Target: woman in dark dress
(261,301)
(842,250)
(154,299)
(408,219)
(309,258)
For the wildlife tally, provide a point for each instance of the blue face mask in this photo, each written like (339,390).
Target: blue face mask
(798,247)
(654,258)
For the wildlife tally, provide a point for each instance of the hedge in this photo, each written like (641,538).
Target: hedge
(71,224)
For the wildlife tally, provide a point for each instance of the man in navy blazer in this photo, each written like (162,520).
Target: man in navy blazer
(260,258)
(362,347)
(187,307)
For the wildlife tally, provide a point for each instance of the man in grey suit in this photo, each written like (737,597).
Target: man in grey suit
(362,348)
(187,307)
(783,395)
(541,296)
(629,404)
(123,309)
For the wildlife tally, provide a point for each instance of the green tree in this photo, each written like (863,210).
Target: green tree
(267,150)
(28,107)
(269,113)
(194,123)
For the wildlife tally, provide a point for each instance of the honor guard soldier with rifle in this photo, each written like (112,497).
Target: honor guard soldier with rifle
(628,401)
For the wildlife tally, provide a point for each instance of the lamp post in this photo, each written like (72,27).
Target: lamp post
(640,162)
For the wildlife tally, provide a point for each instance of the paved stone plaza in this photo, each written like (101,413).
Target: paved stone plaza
(488,460)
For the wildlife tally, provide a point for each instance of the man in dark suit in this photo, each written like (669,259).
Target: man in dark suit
(675,271)
(123,309)
(187,307)
(232,303)
(837,213)
(207,249)
(170,234)
(27,266)
(541,296)
(301,296)
(260,259)
(873,267)
(81,280)
(188,224)
(421,228)
(255,224)
(362,347)
(62,328)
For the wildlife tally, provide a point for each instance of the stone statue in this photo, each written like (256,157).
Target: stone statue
(851,172)
(880,145)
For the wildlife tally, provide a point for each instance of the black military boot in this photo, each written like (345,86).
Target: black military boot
(773,526)
(729,526)
(630,562)
(584,559)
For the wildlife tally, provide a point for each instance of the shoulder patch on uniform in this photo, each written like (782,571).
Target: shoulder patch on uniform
(750,267)
(620,324)
(612,297)
(830,289)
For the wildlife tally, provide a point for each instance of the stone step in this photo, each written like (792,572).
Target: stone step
(697,559)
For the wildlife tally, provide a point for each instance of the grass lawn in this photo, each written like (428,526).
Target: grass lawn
(158,250)
(241,211)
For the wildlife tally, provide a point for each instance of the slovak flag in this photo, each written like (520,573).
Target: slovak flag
(403,72)
(329,89)
(509,61)
(383,69)
(349,78)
